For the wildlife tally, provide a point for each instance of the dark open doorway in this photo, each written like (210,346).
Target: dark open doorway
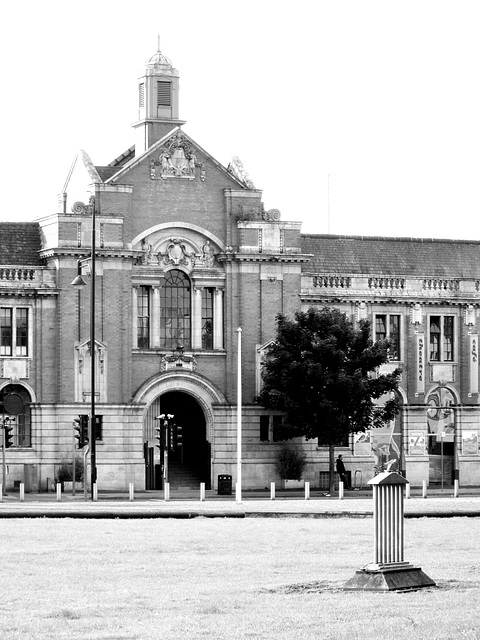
(188,465)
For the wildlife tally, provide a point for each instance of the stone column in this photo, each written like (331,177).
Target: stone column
(197,318)
(134,317)
(218,319)
(155,318)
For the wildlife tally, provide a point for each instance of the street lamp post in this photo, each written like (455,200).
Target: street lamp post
(79,283)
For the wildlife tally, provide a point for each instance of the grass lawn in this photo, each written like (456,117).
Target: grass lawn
(210,578)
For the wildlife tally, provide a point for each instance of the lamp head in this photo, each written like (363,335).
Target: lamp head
(79,282)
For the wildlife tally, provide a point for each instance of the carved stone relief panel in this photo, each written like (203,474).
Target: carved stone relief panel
(177,159)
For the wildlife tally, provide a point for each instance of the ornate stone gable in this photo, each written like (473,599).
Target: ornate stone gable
(177,159)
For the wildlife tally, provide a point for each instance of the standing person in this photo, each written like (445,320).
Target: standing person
(342,472)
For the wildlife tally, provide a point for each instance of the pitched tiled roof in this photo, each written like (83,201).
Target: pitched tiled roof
(107,172)
(392,256)
(20,243)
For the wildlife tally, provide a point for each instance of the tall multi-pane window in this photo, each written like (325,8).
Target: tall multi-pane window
(387,325)
(141,94)
(21,327)
(207,318)
(13,331)
(441,338)
(175,310)
(6,331)
(143,317)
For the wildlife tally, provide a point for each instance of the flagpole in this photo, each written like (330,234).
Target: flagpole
(238,486)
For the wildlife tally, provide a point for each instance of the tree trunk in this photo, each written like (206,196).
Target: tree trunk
(331,468)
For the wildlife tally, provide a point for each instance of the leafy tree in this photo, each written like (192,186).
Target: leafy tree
(319,373)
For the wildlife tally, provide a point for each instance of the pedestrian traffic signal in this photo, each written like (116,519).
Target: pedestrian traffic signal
(8,437)
(178,436)
(80,425)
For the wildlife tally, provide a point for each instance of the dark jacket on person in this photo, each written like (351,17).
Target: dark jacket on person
(340,467)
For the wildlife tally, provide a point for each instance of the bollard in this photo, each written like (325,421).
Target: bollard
(22,492)
(59,491)
(130,492)
(455,488)
(202,492)
(166,492)
(272,491)
(307,490)
(407,491)
(95,492)
(340,490)
(424,489)
(389,571)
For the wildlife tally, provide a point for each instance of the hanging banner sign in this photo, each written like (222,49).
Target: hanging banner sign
(473,363)
(421,370)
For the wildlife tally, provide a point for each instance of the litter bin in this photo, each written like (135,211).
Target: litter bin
(224,485)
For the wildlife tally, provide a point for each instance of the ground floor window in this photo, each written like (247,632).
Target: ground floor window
(22,431)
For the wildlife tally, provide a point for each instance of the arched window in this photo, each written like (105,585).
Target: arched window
(22,433)
(175,310)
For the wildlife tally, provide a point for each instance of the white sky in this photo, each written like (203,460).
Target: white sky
(382,96)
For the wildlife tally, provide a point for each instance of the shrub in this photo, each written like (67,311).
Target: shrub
(65,471)
(290,463)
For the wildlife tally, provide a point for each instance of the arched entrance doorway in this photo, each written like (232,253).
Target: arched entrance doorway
(441,432)
(188,464)
(191,397)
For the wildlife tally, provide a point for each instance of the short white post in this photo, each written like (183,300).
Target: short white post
(272,491)
(131,490)
(340,490)
(95,492)
(22,492)
(455,488)
(202,492)
(166,493)
(307,490)
(407,491)
(59,491)
(424,489)
(238,493)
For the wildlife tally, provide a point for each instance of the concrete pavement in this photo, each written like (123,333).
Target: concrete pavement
(187,504)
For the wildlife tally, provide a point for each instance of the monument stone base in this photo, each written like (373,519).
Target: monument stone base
(400,576)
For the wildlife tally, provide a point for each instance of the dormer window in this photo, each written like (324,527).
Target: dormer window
(164,93)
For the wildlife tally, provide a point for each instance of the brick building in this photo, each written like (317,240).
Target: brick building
(185,255)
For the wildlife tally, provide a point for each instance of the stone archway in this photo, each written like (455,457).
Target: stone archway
(189,398)
(440,420)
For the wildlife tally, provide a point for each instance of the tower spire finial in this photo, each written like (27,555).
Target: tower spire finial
(158,40)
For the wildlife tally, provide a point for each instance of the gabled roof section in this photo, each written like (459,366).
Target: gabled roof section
(160,143)
(20,243)
(123,158)
(113,167)
(392,256)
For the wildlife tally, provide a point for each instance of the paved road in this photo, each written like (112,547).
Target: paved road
(187,504)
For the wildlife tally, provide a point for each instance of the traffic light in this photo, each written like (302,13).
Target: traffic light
(160,432)
(98,427)
(178,435)
(171,437)
(8,437)
(80,424)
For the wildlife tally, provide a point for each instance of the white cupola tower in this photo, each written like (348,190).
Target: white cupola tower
(158,102)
